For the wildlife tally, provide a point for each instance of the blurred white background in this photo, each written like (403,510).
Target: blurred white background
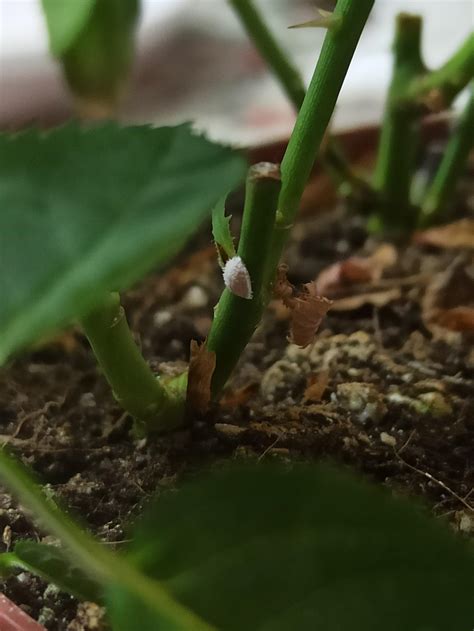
(194,62)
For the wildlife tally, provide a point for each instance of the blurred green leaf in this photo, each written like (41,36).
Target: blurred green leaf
(271,549)
(65,19)
(53,565)
(221,229)
(84,212)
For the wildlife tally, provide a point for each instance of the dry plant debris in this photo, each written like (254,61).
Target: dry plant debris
(357,269)
(456,235)
(448,303)
(202,364)
(307,308)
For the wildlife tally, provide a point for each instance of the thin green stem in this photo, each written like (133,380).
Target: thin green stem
(102,565)
(141,393)
(293,85)
(278,60)
(314,116)
(236,318)
(400,135)
(437,89)
(454,160)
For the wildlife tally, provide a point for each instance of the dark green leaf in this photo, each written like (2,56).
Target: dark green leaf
(50,563)
(272,549)
(65,19)
(221,229)
(86,212)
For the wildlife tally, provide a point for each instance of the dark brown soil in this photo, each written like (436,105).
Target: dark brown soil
(390,396)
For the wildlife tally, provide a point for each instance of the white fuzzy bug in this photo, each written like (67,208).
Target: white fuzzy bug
(237,279)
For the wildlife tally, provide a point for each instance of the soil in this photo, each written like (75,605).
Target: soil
(383,390)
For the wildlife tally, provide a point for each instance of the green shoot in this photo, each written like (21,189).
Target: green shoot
(400,133)
(413,91)
(437,89)
(443,186)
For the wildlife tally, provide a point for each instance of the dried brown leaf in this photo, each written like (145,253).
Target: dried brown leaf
(316,386)
(308,311)
(282,288)
(457,319)
(357,269)
(202,364)
(448,303)
(239,396)
(457,235)
(376,299)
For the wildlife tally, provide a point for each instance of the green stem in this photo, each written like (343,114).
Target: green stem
(400,133)
(292,84)
(235,318)
(158,405)
(256,27)
(102,565)
(454,160)
(438,88)
(314,116)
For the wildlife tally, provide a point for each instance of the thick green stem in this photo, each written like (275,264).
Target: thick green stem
(158,405)
(291,81)
(454,160)
(314,116)
(236,318)
(399,140)
(437,89)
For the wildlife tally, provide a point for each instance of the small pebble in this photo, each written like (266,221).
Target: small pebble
(23,577)
(161,318)
(466,523)
(51,591)
(363,399)
(437,403)
(229,430)
(87,400)
(46,616)
(386,439)
(194,298)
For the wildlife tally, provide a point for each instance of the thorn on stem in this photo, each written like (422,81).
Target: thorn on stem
(326,19)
